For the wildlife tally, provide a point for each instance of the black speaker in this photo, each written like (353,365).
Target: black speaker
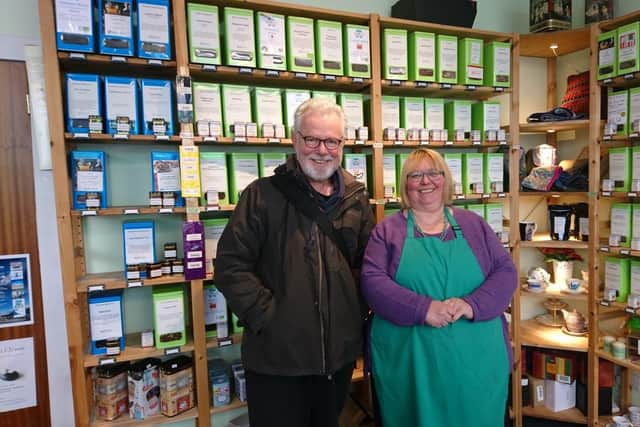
(459,13)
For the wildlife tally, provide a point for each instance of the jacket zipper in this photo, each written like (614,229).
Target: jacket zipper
(320,275)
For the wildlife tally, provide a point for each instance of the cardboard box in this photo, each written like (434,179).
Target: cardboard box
(213,179)
(493,173)
(329,49)
(213,229)
(324,94)
(293,98)
(169,325)
(153,29)
(411,113)
(473,173)
(485,117)
(434,114)
(268,162)
(88,175)
(447,59)
(458,120)
(400,159)
(204,34)
(617,276)
(74,26)
(390,112)
(607,55)
(165,174)
(634,111)
(207,106)
(536,388)
(84,99)
(270,38)
(301,53)
(628,60)
(157,106)
(243,170)
(115,23)
(389,176)
(470,61)
(357,52)
(618,111)
(239,37)
(454,162)
(477,209)
(422,56)
(620,168)
(559,396)
(215,304)
(357,164)
(353,107)
(106,321)
(236,107)
(493,215)
(621,222)
(121,100)
(497,60)
(267,108)
(395,54)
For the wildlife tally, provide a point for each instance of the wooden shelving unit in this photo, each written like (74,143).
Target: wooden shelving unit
(534,334)
(78,282)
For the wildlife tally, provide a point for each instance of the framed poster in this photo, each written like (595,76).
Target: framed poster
(17,374)
(597,10)
(15,291)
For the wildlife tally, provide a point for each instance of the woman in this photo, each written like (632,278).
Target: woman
(438,281)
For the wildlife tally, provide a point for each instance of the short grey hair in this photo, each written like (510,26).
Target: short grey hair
(320,106)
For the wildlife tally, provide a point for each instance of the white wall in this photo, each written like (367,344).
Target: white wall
(19,26)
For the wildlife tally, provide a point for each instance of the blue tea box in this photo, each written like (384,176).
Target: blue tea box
(165,173)
(84,99)
(153,31)
(115,23)
(88,179)
(74,25)
(106,321)
(157,105)
(139,243)
(121,100)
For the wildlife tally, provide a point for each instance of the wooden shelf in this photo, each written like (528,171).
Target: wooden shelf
(554,194)
(134,351)
(387,22)
(116,280)
(442,144)
(129,211)
(125,421)
(634,137)
(616,195)
(212,342)
(551,127)
(411,88)
(553,291)
(106,138)
(622,82)
(285,79)
(271,142)
(115,64)
(535,334)
(616,250)
(542,240)
(297,10)
(572,415)
(611,24)
(626,363)
(568,41)
(235,404)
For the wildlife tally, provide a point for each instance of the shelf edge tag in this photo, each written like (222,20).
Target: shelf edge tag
(172,350)
(225,342)
(95,288)
(107,361)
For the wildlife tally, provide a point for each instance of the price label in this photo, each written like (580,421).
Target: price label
(211,68)
(165,210)
(357,80)
(605,303)
(625,252)
(498,89)
(155,62)
(224,342)
(89,213)
(107,361)
(630,76)
(300,76)
(630,310)
(272,73)
(502,195)
(471,88)
(422,84)
(134,284)
(460,197)
(172,350)
(95,288)
(606,193)
(632,194)
(445,86)
(131,212)
(604,248)
(245,70)
(77,56)
(398,142)
(120,59)
(329,78)
(607,81)
(395,83)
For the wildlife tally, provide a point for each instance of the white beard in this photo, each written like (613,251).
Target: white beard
(318,173)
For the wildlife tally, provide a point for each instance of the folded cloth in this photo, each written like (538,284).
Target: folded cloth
(555,115)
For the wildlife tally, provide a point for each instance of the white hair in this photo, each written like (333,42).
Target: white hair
(320,106)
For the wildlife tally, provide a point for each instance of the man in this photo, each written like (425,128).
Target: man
(288,264)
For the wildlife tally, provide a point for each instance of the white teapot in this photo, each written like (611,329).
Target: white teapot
(539,273)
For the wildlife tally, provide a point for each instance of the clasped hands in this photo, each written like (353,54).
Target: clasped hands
(441,313)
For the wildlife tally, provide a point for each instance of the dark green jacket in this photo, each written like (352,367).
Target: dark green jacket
(289,284)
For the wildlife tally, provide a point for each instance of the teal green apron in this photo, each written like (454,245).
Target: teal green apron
(452,376)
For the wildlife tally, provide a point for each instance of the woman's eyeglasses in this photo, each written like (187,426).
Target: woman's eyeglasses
(313,142)
(417,176)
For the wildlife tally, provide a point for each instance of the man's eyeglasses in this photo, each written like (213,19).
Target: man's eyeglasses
(313,142)
(417,176)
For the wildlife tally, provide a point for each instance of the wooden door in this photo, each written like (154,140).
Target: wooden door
(18,234)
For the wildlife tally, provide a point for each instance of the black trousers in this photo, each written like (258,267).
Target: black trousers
(301,401)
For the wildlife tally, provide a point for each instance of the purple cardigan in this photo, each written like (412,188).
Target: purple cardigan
(404,307)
